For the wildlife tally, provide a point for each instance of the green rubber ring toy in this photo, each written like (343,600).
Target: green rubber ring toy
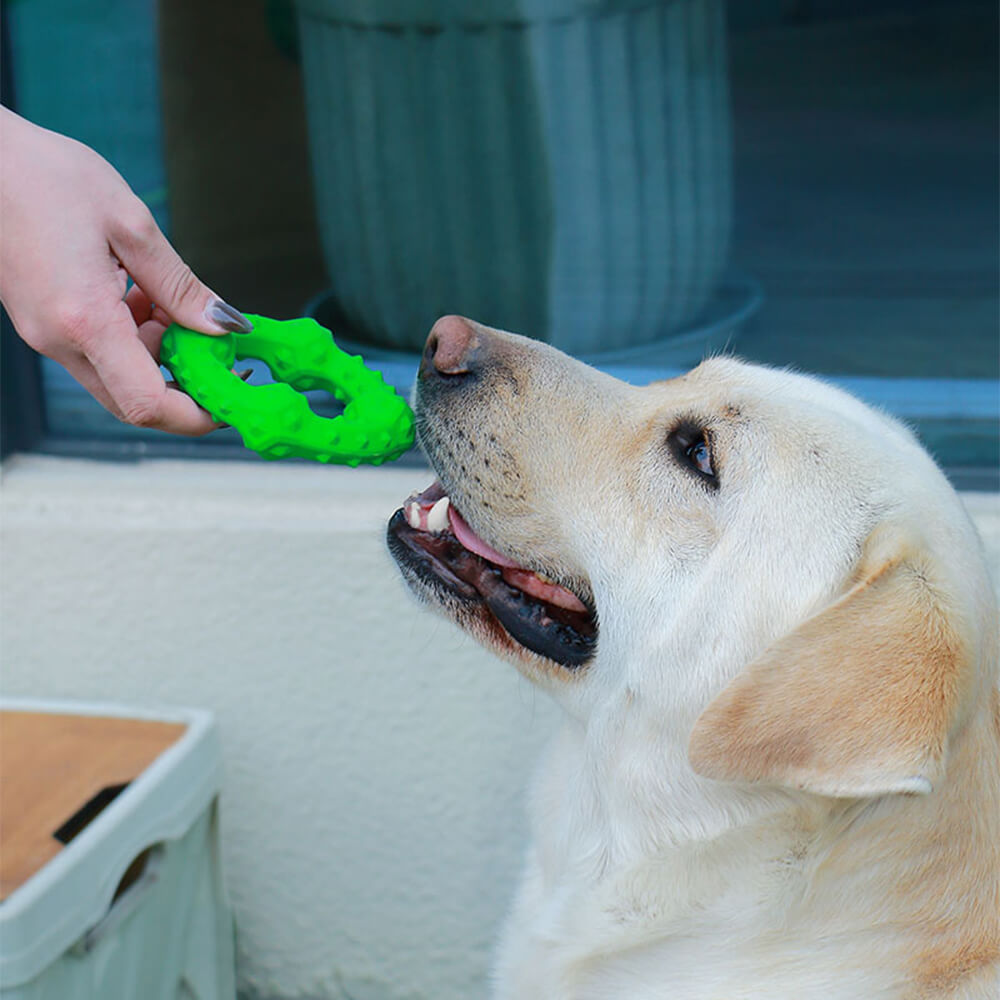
(275,420)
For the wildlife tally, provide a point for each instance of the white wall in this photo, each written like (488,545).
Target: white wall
(375,756)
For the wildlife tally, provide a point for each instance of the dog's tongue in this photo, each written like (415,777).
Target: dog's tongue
(420,510)
(513,573)
(473,542)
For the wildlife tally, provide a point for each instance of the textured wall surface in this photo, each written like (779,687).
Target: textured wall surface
(375,756)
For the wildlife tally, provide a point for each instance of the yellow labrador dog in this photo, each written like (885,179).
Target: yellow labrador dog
(767,617)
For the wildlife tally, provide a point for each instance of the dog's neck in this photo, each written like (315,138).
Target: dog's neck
(628,793)
(632,848)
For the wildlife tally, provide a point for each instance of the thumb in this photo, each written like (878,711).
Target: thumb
(156,267)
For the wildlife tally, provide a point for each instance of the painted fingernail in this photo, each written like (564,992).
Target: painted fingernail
(224,316)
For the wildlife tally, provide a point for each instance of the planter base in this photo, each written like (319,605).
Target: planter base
(736,299)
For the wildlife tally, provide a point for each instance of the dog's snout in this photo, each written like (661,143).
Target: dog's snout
(453,348)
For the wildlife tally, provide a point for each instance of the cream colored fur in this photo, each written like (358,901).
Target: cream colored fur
(780,775)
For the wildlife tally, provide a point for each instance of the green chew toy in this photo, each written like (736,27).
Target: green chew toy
(275,420)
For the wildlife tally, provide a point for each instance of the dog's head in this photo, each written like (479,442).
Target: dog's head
(751,555)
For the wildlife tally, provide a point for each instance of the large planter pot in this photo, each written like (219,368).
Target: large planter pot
(558,168)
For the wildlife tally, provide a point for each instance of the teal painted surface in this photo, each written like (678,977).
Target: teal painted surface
(176,944)
(66,934)
(90,70)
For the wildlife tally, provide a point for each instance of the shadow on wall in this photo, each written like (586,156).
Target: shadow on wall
(242,209)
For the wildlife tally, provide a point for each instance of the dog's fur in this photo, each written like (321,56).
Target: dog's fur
(779,776)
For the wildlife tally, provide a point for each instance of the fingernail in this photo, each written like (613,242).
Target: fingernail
(223,315)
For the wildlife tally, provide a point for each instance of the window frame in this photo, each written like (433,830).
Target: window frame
(922,403)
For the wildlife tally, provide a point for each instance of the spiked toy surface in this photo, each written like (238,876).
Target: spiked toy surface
(276,420)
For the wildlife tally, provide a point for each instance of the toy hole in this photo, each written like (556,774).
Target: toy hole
(260,374)
(321,402)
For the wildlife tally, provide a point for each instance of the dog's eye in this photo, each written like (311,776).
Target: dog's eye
(692,447)
(700,457)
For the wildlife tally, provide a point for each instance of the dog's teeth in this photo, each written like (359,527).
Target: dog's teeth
(413,515)
(437,517)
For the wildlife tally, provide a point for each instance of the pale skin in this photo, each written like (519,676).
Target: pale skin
(72,233)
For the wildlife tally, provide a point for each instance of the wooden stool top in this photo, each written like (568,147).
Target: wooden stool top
(51,767)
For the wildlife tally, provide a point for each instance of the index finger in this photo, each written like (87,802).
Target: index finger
(133,380)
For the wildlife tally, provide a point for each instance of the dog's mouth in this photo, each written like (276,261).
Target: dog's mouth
(432,540)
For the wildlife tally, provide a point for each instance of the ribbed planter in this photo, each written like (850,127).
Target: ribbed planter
(558,168)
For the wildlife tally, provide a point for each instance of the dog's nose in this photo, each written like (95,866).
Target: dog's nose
(453,348)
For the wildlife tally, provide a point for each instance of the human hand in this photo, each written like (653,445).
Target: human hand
(71,235)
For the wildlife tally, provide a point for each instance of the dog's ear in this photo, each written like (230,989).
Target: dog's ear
(857,701)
